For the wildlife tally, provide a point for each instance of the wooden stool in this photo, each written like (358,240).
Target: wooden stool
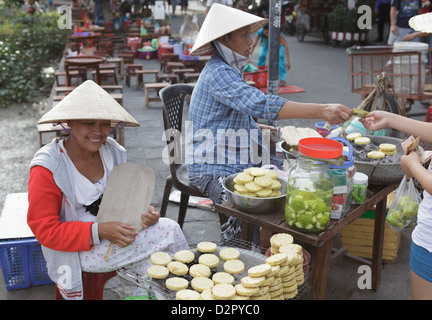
(128,57)
(181,72)
(168,57)
(49,128)
(131,71)
(119,62)
(93,285)
(140,76)
(165,77)
(116,96)
(170,66)
(59,74)
(107,87)
(191,77)
(107,47)
(153,86)
(106,73)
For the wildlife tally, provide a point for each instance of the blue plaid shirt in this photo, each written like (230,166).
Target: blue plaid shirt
(221,134)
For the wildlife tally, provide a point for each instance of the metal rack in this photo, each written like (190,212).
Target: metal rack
(250,255)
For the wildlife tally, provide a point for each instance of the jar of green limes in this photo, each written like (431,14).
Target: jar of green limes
(309,195)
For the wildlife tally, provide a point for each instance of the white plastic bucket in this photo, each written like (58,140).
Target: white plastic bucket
(178,48)
(408,65)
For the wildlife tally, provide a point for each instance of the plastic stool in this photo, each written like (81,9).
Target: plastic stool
(93,285)
(429,115)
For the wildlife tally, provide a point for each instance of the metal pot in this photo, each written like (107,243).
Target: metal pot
(284,147)
(381,171)
(255,205)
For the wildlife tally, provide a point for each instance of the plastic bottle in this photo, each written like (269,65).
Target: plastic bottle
(360,184)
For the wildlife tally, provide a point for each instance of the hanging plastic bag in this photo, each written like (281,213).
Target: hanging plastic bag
(403,210)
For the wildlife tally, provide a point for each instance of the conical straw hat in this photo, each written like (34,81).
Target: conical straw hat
(89,101)
(422,22)
(220,21)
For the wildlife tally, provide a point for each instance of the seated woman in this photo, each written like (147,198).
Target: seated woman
(67,180)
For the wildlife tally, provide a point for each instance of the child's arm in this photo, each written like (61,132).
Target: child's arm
(378,120)
(412,167)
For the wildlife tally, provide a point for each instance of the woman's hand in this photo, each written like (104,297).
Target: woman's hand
(118,233)
(335,113)
(149,218)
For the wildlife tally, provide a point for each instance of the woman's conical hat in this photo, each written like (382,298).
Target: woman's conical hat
(220,21)
(422,22)
(89,101)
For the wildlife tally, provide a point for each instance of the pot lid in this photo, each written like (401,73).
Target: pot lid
(321,148)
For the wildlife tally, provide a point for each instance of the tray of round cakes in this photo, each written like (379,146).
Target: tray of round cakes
(233,271)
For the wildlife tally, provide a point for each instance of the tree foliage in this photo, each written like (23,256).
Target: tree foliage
(27,44)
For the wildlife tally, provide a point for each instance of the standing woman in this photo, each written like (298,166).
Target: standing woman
(284,59)
(66,184)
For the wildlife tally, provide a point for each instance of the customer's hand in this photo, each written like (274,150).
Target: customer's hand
(149,218)
(408,162)
(376,120)
(118,233)
(335,113)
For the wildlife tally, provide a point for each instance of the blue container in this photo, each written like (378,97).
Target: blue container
(23,264)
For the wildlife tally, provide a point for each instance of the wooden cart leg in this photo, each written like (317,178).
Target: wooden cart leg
(320,271)
(378,242)
(247,231)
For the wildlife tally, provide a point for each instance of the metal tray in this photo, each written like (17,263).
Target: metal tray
(249,257)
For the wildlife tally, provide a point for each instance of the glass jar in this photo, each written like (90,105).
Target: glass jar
(309,195)
(359,188)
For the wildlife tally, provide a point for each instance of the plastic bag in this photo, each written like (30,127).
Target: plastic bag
(403,210)
(250,68)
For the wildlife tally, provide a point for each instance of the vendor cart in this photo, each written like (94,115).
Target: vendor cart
(311,18)
(408,72)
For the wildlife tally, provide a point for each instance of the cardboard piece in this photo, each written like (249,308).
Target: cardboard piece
(13,218)
(128,193)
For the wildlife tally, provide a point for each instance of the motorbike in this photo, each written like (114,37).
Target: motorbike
(259,8)
(288,18)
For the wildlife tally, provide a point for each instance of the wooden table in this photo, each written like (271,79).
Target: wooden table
(322,242)
(91,39)
(89,62)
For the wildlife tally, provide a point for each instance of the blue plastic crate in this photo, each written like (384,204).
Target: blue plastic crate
(23,264)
